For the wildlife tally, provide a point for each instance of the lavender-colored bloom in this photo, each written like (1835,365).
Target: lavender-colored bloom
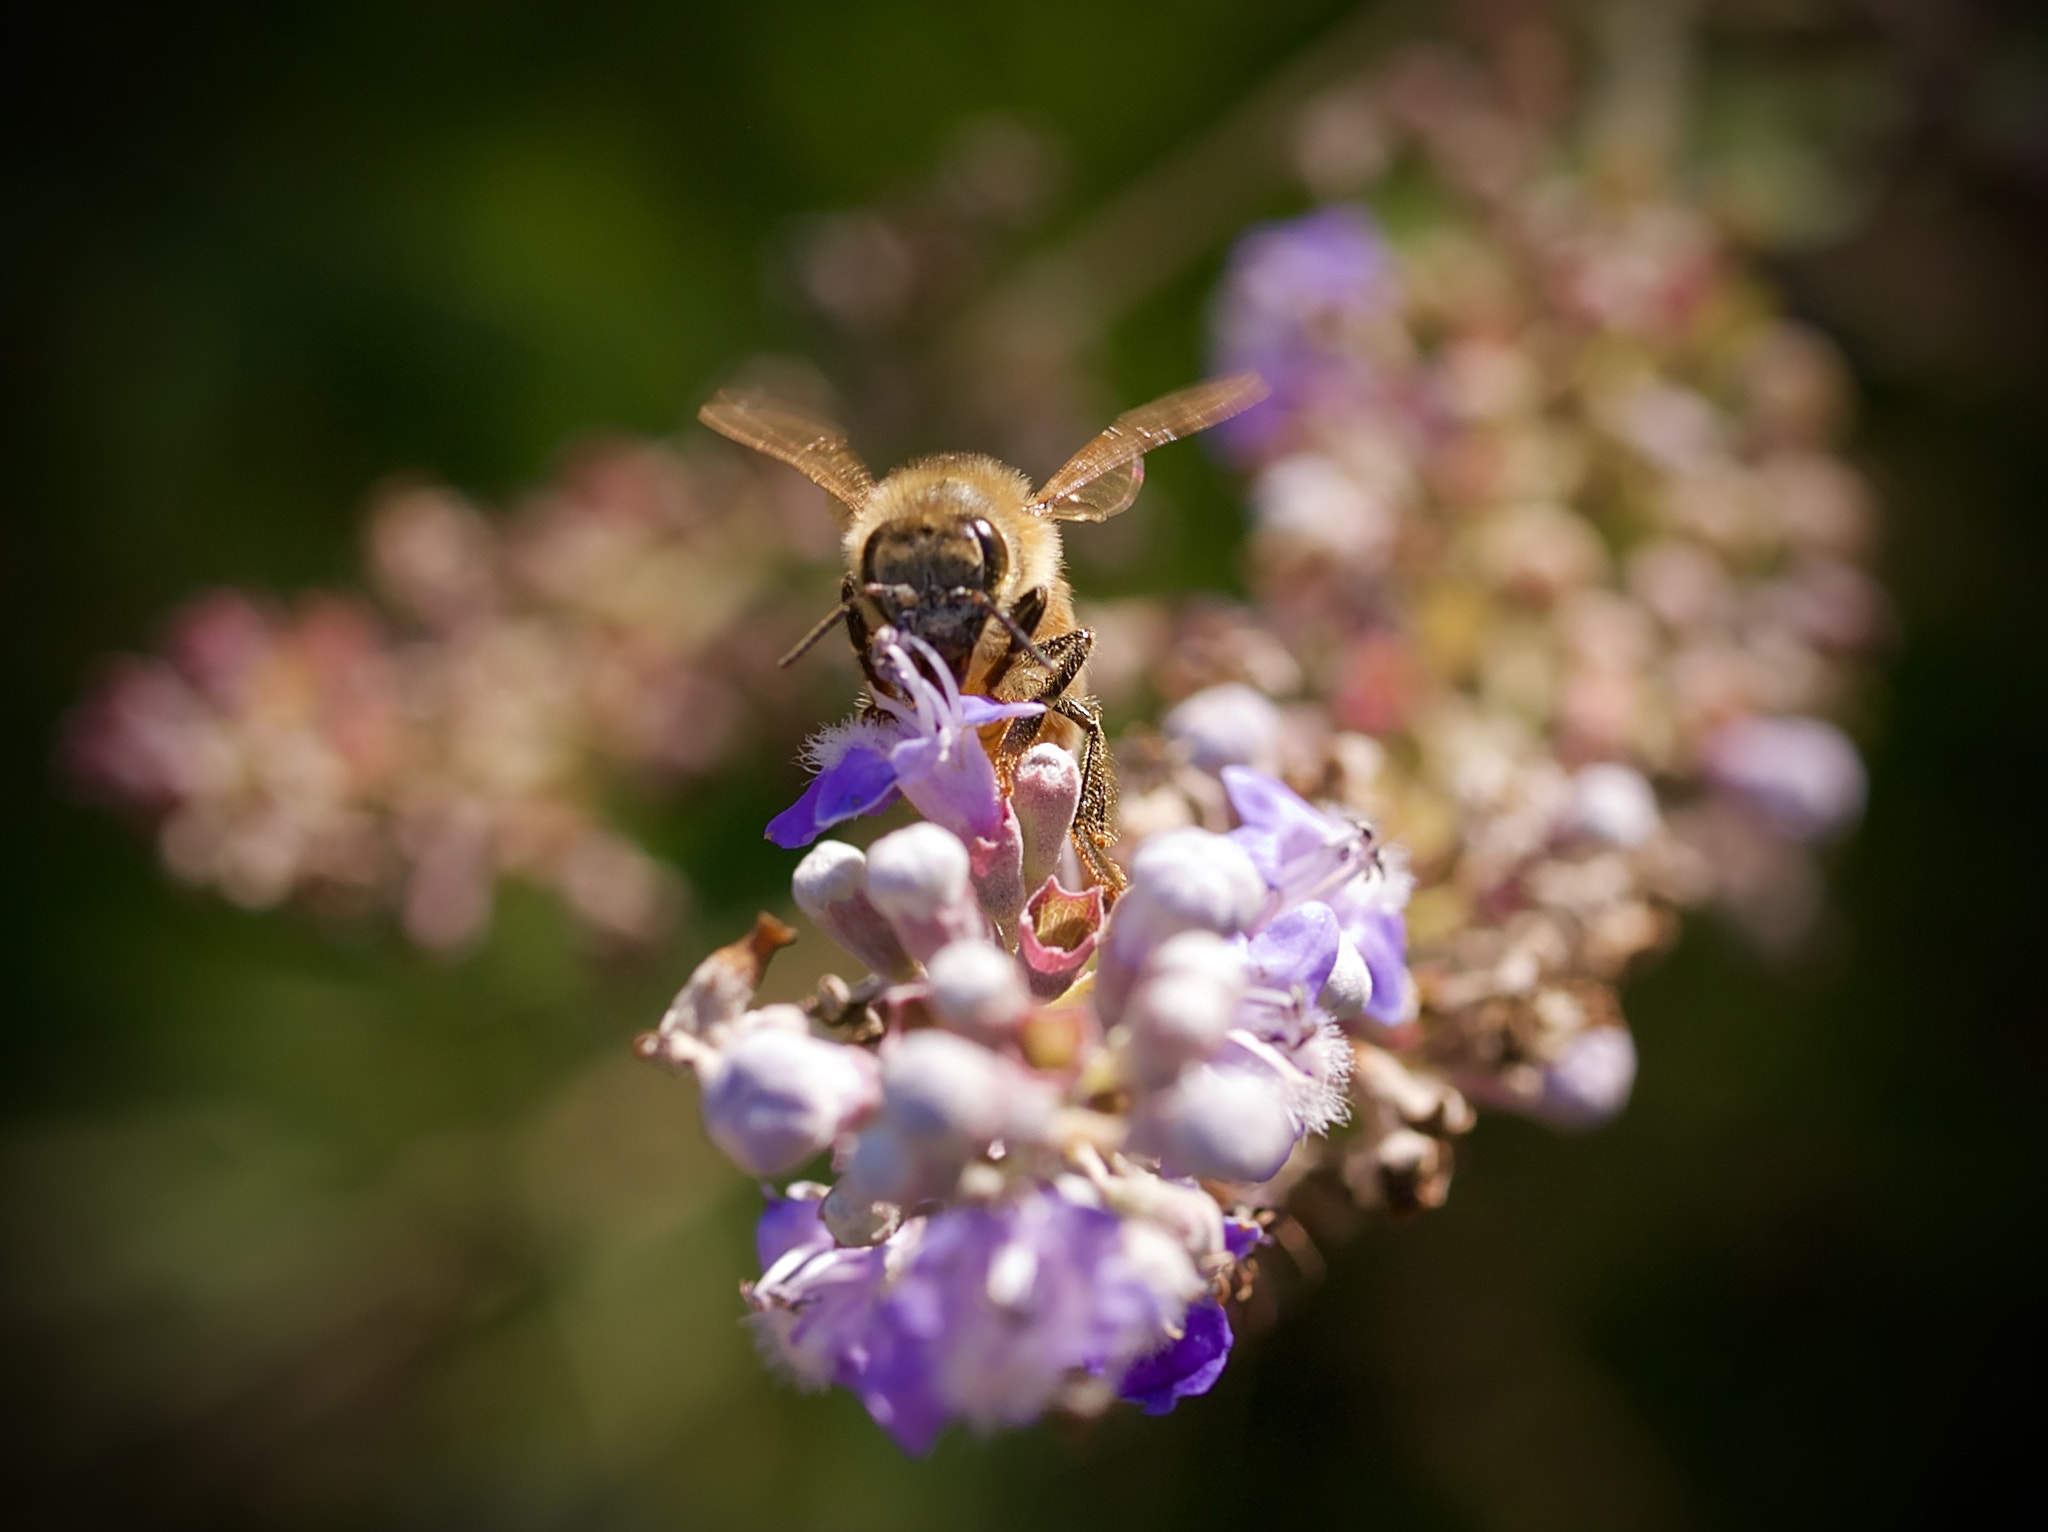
(1294,294)
(1298,949)
(1308,857)
(1300,851)
(998,1309)
(1188,1366)
(926,750)
(790,1222)
(814,1303)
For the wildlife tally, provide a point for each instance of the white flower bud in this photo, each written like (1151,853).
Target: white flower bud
(1182,1010)
(776,1097)
(1161,1262)
(1348,990)
(885,1169)
(1228,725)
(1184,880)
(830,885)
(1591,1079)
(855,1222)
(920,878)
(1612,804)
(977,989)
(1194,879)
(1202,954)
(1220,1125)
(943,1091)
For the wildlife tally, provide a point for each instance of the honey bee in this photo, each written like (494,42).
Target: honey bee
(960,551)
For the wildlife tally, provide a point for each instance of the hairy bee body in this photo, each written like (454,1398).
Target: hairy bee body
(960,551)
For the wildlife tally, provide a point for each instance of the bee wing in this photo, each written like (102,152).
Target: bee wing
(815,448)
(1103,477)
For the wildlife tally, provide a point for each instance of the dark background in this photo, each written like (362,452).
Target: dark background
(303,1229)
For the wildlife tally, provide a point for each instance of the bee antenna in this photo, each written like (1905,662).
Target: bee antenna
(811,638)
(1016,632)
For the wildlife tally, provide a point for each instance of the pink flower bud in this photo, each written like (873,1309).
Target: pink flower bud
(1045,793)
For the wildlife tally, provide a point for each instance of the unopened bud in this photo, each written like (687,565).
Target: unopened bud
(996,863)
(1612,804)
(1227,725)
(945,1091)
(1046,791)
(857,1223)
(1184,880)
(1348,990)
(1590,1081)
(830,885)
(1220,1125)
(884,1171)
(777,1097)
(722,986)
(920,879)
(977,989)
(1181,1011)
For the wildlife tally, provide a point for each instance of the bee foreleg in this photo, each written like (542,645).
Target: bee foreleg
(1095,819)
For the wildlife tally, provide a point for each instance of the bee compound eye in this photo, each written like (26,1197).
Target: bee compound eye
(995,557)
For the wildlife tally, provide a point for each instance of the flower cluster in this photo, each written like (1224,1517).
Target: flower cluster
(413,754)
(1550,539)
(1055,1131)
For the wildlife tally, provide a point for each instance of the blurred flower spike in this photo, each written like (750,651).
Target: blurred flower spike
(1043,1193)
(411,754)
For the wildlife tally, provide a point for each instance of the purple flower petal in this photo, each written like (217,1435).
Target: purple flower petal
(1241,1238)
(1187,1367)
(1298,949)
(788,1223)
(1382,940)
(975,711)
(862,781)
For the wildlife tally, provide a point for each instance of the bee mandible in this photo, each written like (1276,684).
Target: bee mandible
(959,550)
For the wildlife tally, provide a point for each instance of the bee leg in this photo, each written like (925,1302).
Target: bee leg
(1095,819)
(1068,653)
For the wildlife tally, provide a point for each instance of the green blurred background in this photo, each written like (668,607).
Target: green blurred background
(304,1229)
